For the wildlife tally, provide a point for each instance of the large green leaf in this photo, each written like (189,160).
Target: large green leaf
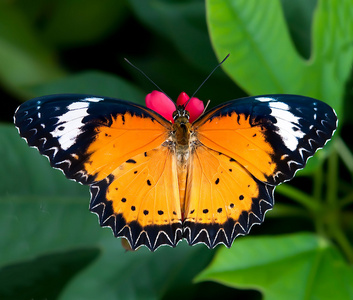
(298,15)
(40,210)
(257,38)
(138,275)
(263,57)
(297,266)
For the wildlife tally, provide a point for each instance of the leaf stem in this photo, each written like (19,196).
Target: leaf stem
(345,153)
(347,200)
(342,241)
(317,193)
(333,207)
(332,180)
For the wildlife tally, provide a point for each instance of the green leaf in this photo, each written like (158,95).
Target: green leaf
(297,266)
(40,210)
(140,274)
(94,83)
(256,37)
(298,15)
(43,277)
(23,58)
(332,57)
(263,58)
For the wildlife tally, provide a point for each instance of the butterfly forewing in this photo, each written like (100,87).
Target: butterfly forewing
(272,136)
(246,148)
(87,137)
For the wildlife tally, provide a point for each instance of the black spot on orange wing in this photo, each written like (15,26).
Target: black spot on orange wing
(131,161)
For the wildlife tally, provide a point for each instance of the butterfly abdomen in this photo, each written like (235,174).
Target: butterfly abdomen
(181,139)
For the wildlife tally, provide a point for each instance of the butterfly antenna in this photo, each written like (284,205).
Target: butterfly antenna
(207,104)
(144,74)
(224,59)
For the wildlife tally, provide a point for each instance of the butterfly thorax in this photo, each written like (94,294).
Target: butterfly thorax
(182,133)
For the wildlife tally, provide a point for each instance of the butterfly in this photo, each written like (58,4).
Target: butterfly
(156,182)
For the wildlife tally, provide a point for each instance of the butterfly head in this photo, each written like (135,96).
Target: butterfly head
(181,115)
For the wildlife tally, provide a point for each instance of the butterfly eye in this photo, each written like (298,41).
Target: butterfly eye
(175,115)
(187,114)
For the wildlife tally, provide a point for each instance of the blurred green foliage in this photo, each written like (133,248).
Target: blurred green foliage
(52,247)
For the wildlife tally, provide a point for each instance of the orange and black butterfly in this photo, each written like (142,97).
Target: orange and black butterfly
(155,182)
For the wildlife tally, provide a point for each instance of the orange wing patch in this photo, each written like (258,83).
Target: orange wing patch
(117,141)
(235,137)
(140,199)
(223,199)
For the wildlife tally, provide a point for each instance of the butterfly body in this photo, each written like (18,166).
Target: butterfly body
(155,182)
(182,147)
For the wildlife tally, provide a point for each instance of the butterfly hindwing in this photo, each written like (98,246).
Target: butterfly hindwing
(224,199)
(140,200)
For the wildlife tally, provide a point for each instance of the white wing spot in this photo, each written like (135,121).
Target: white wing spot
(264,99)
(69,124)
(94,99)
(287,124)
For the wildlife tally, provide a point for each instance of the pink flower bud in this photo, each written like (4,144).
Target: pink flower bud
(161,104)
